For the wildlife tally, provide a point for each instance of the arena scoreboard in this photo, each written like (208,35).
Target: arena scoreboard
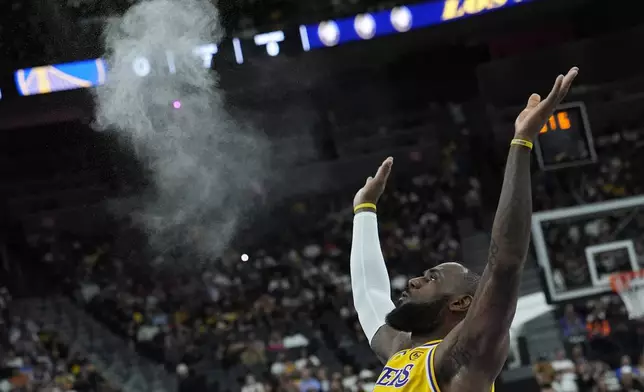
(566,140)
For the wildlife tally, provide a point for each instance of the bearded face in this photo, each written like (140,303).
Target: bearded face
(418,317)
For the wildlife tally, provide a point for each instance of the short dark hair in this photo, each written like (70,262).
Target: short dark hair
(471,282)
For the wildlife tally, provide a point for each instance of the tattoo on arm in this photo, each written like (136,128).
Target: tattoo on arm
(458,358)
(493,253)
(495,300)
(511,228)
(480,342)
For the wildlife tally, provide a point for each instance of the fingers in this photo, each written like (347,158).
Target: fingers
(533,101)
(551,99)
(383,171)
(560,89)
(567,82)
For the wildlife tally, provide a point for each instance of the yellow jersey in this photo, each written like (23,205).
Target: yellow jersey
(411,370)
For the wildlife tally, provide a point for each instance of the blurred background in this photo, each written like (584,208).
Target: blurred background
(87,305)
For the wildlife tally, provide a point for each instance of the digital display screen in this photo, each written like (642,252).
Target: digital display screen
(296,39)
(60,77)
(397,20)
(566,139)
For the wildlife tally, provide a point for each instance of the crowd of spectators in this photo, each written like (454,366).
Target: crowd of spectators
(604,350)
(33,358)
(283,319)
(285,315)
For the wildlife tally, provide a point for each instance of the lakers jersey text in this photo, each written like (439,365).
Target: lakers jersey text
(410,370)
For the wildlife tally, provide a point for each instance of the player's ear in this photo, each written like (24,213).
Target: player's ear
(461,303)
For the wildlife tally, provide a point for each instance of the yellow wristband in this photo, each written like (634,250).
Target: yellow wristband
(521,142)
(364,205)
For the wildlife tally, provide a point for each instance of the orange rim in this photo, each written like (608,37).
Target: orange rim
(622,280)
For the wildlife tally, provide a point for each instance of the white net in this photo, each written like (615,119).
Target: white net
(630,287)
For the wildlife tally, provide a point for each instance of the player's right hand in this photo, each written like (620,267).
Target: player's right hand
(530,121)
(374,186)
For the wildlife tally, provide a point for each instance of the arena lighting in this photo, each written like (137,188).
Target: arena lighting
(141,66)
(365,26)
(271,40)
(328,33)
(399,20)
(244,257)
(206,52)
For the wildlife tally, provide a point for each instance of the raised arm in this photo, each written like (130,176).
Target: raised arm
(369,278)
(480,345)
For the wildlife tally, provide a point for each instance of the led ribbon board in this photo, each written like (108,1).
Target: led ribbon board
(90,73)
(60,77)
(398,20)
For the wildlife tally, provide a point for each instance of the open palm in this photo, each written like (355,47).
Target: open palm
(374,186)
(537,111)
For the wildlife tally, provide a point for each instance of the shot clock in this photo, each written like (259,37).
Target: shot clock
(566,139)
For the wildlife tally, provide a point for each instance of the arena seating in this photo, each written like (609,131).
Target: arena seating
(35,358)
(234,317)
(284,318)
(604,349)
(282,306)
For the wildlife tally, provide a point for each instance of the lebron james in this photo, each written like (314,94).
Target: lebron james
(450,330)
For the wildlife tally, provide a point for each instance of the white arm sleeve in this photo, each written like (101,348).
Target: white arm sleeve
(369,278)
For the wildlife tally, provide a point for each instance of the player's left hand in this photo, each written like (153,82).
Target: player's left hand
(374,186)
(537,111)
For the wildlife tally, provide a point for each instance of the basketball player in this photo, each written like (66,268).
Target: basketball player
(450,330)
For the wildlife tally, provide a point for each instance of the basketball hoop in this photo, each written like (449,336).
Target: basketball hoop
(630,287)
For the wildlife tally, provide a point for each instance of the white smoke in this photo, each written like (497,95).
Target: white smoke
(205,166)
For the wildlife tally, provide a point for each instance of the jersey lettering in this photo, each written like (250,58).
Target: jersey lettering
(410,370)
(392,377)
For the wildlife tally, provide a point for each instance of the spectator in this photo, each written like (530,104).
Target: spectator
(630,382)
(34,359)
(640,364)
(597,325)
(601,386)
(350,379)
(279,366)
(308,383)
(275,343)
(544,373)
(565,370)
(627,369)
(325,384)
(585,379)
(252,385)
(254,354)
(573,327)
(306,360)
